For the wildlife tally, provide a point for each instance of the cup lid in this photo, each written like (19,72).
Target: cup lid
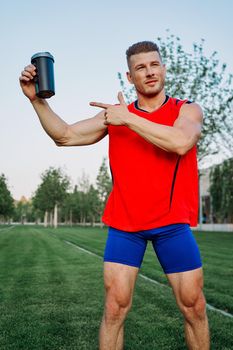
(42,54)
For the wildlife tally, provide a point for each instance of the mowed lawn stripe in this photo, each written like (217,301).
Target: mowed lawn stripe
(59,301)
(218,272)
(151,280)
(51,297)
(172,324)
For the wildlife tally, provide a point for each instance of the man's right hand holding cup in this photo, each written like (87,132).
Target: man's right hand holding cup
(27,82)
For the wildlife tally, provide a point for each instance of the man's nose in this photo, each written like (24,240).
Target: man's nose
(149,71)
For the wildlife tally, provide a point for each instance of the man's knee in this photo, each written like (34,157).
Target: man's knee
(193,305)
(117,305)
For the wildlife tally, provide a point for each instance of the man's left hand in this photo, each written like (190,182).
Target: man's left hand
(114,114)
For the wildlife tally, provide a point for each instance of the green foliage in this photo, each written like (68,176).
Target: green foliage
(221,191)
(24,212)
(79,206)
(83,204)
(202,79)
(67,208)
(94,205)
(87,201)
(6,199)
(103,183)
(52,190)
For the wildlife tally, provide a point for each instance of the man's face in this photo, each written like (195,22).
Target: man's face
(147,73)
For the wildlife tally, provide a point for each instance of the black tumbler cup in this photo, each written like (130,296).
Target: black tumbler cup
(44,79)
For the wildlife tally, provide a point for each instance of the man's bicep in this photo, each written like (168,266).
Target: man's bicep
(86,132)
(190,120)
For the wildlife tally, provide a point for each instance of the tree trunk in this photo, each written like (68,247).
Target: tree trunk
(46,219)
(55,216)
(71,218)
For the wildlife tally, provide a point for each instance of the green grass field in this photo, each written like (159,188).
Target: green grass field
(51,293)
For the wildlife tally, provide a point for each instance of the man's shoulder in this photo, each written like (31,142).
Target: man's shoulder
(179,101)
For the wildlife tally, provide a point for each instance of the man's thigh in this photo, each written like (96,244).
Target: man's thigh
(177,249)
(125,248)
(119,281)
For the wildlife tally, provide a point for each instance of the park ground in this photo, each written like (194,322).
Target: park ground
(51,292)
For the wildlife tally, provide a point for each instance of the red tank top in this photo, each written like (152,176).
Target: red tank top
(151,187)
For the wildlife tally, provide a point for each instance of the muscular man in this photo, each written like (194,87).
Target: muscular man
(152,149)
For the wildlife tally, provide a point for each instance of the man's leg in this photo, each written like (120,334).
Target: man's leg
(119,281)
(180,258)
(188,290)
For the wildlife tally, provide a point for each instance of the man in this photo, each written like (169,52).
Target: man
(152,149)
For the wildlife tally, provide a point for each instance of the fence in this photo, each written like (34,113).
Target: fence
(214,227)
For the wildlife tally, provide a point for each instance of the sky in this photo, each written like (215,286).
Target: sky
(88,40)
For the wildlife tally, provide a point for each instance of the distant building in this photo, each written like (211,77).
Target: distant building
(204,189)
(22,200)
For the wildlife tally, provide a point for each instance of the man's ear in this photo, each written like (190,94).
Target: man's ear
(129,77)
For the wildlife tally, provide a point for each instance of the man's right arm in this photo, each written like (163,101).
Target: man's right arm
(84,132)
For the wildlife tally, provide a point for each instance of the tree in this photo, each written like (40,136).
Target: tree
(221,191)
(24,211)
(93,204)
(67,209)
(51,193)
(6,199)
(204,80)
(103,184)
(82,205)
(81,196)
(227,191)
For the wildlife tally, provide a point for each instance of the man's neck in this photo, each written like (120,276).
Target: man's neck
(152,103)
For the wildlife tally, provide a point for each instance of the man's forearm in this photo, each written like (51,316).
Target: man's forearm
(54,126)
(168,138)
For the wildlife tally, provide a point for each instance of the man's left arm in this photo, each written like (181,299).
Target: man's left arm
(179,138)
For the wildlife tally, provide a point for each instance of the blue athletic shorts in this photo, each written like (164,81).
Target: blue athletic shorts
(174,245)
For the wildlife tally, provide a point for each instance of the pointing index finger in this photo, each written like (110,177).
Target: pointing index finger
(99,104)
(121,98)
